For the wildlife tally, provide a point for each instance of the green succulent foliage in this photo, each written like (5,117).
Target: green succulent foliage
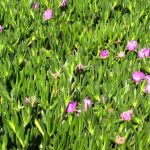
(38,60)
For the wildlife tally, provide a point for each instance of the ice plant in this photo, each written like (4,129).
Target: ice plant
(132,45)
(35,6)
(147,88)
(144,53)
(71,106)
(137,76)
(64,3)
(87,103)
(127,115)
(121,54)
(120,140)
(104,54)
(1,28)
(48,14)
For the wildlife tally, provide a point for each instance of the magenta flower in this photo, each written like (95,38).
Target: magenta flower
(71,106)
(137,76)
(64,3)
(132,45)
(48,14)
(1,28)
(104,54)
(35,6)
(147,77)
(147,88)
(144,53)
(121,54)
(127,115)
(87,103)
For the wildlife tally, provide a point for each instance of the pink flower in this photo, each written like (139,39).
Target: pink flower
(64,3)
(1,28)
(121,54)
(132,45)
(48,14)
(147,77)
(147,88)
(87,103)
(104,54)
(127,115)
(35,6)
(144,53)
(71,106)
(137,76)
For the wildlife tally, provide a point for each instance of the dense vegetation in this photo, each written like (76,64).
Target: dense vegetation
(74,75)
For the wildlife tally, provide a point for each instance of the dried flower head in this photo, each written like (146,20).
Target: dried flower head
(121,55)
(80,68)
(110,110)
(56,75)
(120,140)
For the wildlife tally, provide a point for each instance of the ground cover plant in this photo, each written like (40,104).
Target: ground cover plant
(75,74)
